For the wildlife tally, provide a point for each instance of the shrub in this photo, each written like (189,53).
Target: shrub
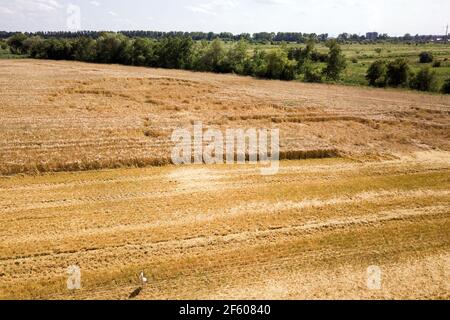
(278,65)
(175,53)
(316,56)
(437,64)
(59,49)
(424,80)
(211,57)
(16,43)
(377,74)
(446,87)
(426,57)
(398,73)
(336,62)
(85,49)
(144,52)
(312,73)
(113,48)
(257,66)
(236,58)
(354,60)
(36,47)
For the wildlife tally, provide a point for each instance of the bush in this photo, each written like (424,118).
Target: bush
(36,47)
(85,49)
(113,48)
(437,64)
(175,53)
(377,74)
(236,58)
(316,56)
(59,49)
(16,43)
(4,46)
(446,87)
(278,65)
(426,57)
(398,73)
(312,73)
(424,80)
(143,52)
(336,62)
(257,66)
(211,57)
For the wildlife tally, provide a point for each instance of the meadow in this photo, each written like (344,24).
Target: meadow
(360,56)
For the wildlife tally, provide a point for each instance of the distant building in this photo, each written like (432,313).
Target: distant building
(372,36)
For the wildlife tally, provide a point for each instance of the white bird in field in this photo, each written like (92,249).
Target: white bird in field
(143,279)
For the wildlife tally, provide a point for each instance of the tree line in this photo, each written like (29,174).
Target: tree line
(196,36)
(265,37)
(182,52)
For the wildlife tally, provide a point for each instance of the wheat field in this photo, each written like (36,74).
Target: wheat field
(86,180)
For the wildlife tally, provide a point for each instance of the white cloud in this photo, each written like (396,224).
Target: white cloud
(95,3)
(39,5)
(6,11)
(114,14)
(275,2)
(213,7)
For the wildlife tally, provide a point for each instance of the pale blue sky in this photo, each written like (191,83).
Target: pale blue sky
(395,17)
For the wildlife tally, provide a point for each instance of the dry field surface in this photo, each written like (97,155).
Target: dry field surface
(209,232)
(218,232)
(61,116)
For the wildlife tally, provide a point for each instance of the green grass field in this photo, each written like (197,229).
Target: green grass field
(6,54)
(360,56)
(366,54)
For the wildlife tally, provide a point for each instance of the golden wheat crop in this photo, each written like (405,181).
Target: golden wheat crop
(218,232)
(68,116)
(227,232)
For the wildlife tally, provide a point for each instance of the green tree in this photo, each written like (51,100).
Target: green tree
(113,48)
(35,47)
(425,80)
(212,57)
(377,73)
(258,66)
(278,65)
(16,43)
(85,49)
(312,73)
(59,49)
(398,73)
(175,52)
(336,62)
(236,59)
(144,52)
(446,87)
(426,57)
